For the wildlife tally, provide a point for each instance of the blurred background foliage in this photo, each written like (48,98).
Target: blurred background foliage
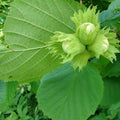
(24,106)
(4,9)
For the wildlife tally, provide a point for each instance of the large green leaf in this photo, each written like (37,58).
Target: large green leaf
(111,91)
(28,27)
(7,92)
(66,94)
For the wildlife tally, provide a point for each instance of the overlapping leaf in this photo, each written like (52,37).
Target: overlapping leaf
(111,17)
(114,5)
(112,20)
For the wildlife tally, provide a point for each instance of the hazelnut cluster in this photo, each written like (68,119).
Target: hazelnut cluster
(87,42)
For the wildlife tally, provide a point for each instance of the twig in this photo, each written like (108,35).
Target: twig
(91,2)
(80,1)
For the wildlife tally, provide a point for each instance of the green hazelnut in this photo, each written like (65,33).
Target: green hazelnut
(73,46)
(100,45)
(86,33)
